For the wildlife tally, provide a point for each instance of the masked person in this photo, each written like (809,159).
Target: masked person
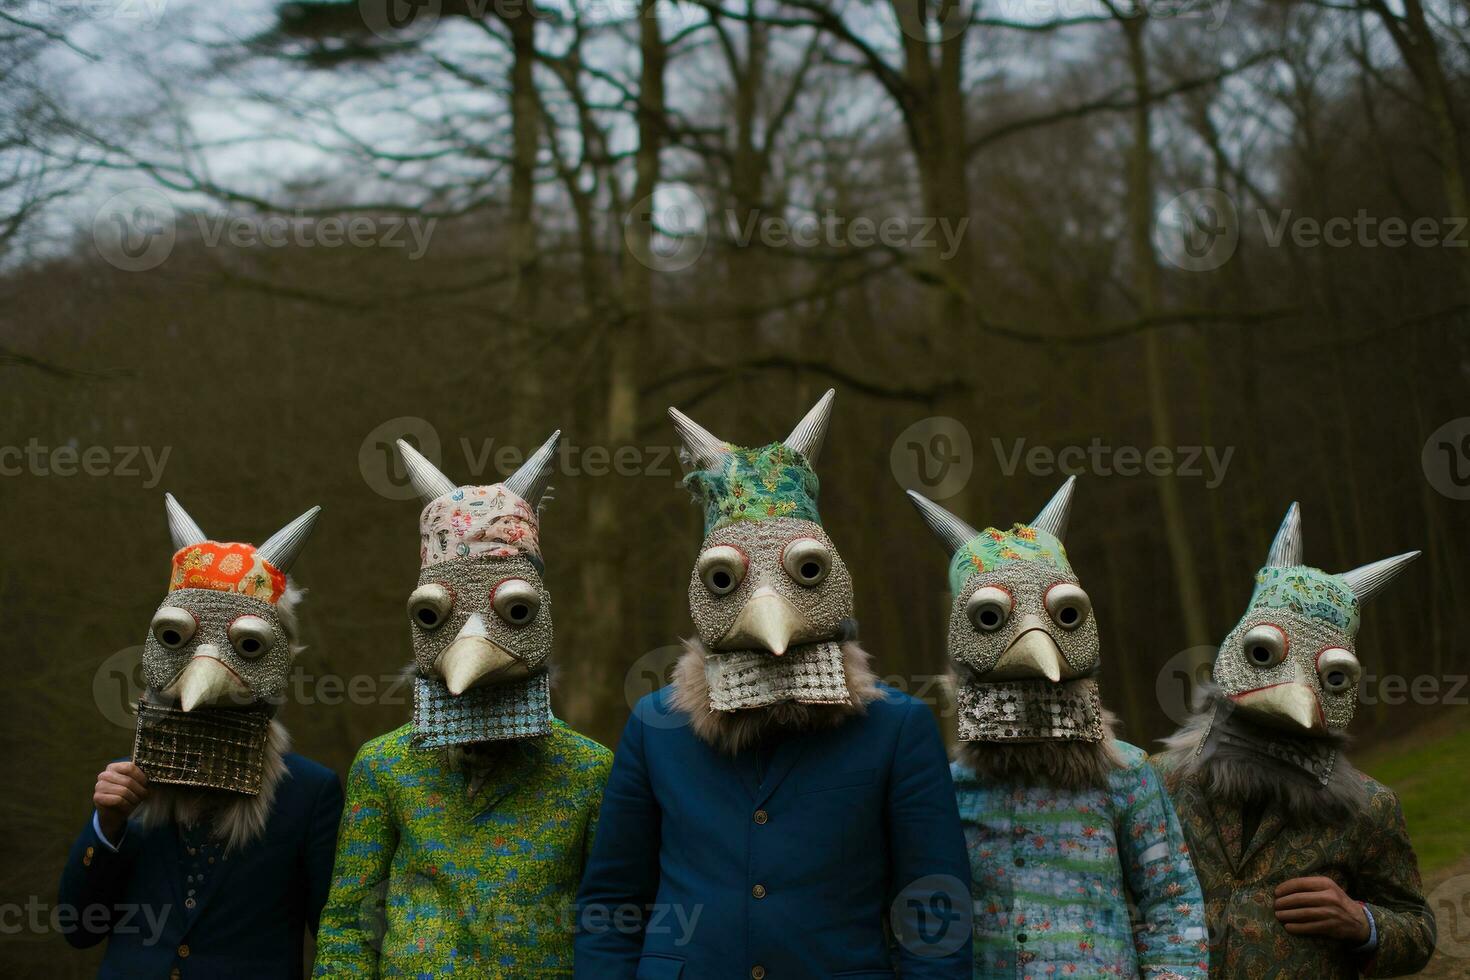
(1078,864)
(775,809)
(209,851)
(1305,862)
(466,831)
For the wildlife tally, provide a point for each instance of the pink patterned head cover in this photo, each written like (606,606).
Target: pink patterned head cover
(487,522)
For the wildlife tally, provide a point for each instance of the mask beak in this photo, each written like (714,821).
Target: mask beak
(1032,654)
(205,680)
(766,620)
(472,660)
(1293,705)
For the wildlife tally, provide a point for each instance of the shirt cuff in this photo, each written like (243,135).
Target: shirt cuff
(1372,943)
(97,829)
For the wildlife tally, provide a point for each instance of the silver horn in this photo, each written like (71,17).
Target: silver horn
(284,547)
(952,532)
(181,527)
(530,481)
(704,449)
(811,431)
(1367,580)
(1053,517)
(1286,548)
(428,482)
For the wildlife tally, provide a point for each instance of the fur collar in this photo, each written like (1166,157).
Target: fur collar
(235,819)
(732,731)
(1055,763)
(1234,774)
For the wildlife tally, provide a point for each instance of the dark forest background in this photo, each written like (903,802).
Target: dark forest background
(591,170)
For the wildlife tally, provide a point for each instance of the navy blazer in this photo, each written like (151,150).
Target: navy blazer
(249,917)
(781,865)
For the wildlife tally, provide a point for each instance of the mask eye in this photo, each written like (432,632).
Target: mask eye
(1338,669)
(251,636)
(989,608)
(429,605)
(721,569)
(174,627)
(1264,645)
(1067,605)
(516,601)
(807,561)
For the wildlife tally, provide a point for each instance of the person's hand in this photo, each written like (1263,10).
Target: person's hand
(120,788)
(1318,907)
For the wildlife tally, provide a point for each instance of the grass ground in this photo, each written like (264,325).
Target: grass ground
(1430,771)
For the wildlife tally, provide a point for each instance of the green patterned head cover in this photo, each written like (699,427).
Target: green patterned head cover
(1308,592)
(756,485)
(992,548)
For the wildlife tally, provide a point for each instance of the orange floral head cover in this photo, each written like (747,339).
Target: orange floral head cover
(227,567)
(492,522)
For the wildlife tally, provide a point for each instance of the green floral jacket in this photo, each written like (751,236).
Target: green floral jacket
(430,883)
(1371,859)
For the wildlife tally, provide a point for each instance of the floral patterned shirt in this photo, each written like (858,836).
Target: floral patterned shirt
(1094,883)
(432,882)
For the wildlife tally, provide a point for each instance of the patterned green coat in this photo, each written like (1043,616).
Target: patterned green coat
(430,883)
(1371,860)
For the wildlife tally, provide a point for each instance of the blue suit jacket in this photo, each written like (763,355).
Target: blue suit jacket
(708,866)
(251,912)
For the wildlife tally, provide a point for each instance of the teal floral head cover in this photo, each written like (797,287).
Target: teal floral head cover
(1309,592)
(755,485)
(992,548)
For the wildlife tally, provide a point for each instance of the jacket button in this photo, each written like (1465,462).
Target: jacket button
(757,972)
(761,816)
(759,891)
(184,951)
(174,974)
(1020,937)
(1020,862)
(87,857)
(189,902)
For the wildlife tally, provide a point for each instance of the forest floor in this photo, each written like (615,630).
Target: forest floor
(1430,770)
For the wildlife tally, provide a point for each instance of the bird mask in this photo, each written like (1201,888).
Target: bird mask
(1022,636)
(1290,663)
(480,615)
(218,656)
(770,597)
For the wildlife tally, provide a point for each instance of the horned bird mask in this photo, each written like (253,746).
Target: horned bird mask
(770,597)
(480,615)
(1022,634)
(218,653)
(1290,663)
